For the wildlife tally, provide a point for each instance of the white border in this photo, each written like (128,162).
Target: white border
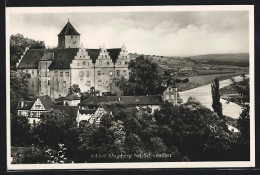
(223,164)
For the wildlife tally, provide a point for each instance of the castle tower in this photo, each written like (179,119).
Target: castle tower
(68,37)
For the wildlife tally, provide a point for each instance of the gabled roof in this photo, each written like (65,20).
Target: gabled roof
(87,111)
(114,53)
(72,97)
(46,101)
(31,59)
(68,30)
(72,111)
(128,100)
(26,106)
(61,58)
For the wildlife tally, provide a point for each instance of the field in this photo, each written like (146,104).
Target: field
(200,80)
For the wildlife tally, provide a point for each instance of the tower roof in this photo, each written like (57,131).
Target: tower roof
(68,30)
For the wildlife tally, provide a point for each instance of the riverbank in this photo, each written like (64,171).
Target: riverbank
(203,95)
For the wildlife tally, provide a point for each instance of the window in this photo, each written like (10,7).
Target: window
(88,63)
(99,82)
(67,74)
(99,73)
(56,73)
(119,63)
(64,84)
(27,71)
(118,73)
(126,63)
(100,63)
(57,85)
(111,73)
(108,63)
(32,72)
(105,56)
(101,56)
(78,64)
(88,83)
(32,84)
(71,36)
(48,82)
(37,72)
(124,71)
(81,74)
(61,74)
(84,63)
(87,73)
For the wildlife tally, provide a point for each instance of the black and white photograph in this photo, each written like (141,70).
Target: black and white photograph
(130,87)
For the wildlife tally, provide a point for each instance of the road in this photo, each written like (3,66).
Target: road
(203,95)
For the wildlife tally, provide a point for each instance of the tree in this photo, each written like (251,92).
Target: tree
(29,155)
(58,127)
(90,93)
(19,82)
(216,104)
(17,46)
(74,89)
(243,122)
(20,131)
(195,131)
(143,78)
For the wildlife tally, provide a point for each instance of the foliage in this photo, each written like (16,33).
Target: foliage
(17,46)
(20,131)
(143,78)
(29,155)
(216,104)
(196,131)
(19,83)
(74,89)
(243,122)
(57,127)
(90,93)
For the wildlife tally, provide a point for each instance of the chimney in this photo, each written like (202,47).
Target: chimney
(22,103)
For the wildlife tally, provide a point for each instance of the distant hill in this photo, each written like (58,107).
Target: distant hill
(238,59)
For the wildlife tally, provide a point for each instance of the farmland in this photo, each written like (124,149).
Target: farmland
(202,69)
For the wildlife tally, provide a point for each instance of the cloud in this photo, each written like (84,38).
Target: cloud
(166,33)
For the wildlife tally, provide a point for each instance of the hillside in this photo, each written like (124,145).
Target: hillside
(237,59)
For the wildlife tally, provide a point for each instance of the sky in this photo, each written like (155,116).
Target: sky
(181,33)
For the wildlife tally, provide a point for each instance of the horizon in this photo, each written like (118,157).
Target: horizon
(182,33)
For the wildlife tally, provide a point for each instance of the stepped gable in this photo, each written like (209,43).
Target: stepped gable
(62,58)
(68,30)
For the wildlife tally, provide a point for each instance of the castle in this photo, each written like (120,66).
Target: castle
(53,71)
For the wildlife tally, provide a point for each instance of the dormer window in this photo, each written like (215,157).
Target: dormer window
(108,63)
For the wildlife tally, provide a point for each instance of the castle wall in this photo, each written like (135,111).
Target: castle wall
(72,41)
(60,81)
(33,81)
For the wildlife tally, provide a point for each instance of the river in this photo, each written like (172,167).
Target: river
(203,95)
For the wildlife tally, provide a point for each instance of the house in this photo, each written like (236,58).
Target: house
(93,108)
(54,70)
(33,109)
(70,100)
